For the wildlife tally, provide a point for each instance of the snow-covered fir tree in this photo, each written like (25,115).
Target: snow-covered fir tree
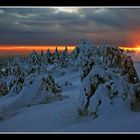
(34,58)
(43,63)
(86,51)
(87,66)
(56,56)
(3,88)
(64,62)
(49,56)
(75,53)
(115,58)
(42,57)
(50,85)
(101,68)
(17,83)
(34,62)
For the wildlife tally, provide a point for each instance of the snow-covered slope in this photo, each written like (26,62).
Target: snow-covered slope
(137,66)
(62,116)
(26,95)
(47,117)
(92,71)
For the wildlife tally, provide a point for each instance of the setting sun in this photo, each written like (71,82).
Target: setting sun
(137,48)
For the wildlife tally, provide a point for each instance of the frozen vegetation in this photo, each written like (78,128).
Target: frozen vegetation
(92,89)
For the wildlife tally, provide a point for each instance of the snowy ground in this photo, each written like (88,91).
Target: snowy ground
(62,116)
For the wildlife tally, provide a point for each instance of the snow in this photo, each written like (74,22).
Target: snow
(62,116)
(47,117)
(137,66)
(107,125)
(21,113)
(27,93)
(135,56)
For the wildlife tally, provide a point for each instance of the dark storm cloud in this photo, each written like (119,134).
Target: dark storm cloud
(63,25)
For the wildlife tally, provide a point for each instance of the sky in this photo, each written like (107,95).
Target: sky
(62,25)
(68,25)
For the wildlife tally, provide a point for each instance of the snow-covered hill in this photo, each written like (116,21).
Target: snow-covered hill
(62,116)
(90,90)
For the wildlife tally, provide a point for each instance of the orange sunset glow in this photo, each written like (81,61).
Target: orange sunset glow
(20,49)
(137,48)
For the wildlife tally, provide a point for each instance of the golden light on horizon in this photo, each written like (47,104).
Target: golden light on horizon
(26,49)
(21,48)
(137,48)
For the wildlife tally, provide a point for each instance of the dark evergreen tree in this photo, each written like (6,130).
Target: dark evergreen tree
(56,56)
(17,82)
(64,61)
(86,68)
(109,67)
(49,56)
(3,88)
(75,53)
(50,85)
(34,58)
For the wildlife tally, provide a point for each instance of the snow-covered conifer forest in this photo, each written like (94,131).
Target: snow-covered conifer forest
(92,89)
